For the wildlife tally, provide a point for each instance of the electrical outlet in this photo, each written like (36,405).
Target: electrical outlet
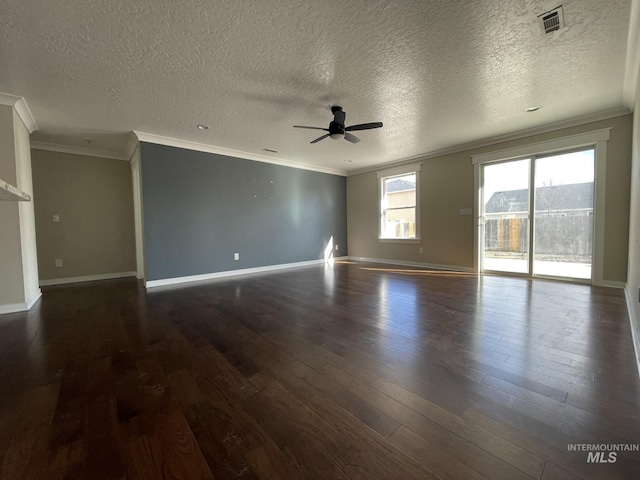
(420,250)
(58,262)
(236,256)
(56,218)
(336,248)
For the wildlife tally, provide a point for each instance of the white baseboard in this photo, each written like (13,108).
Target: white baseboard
(232,273)
(434,266)
(613,284)
(634,322)
(86,278)
(21,307)
(13,308)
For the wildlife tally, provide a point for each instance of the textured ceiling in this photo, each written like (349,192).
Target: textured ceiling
(437,73)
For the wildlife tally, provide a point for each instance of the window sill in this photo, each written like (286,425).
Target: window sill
(399,240)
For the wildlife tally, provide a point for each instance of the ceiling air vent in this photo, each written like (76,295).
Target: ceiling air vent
(552,20)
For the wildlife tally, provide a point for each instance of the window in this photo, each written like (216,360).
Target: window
(399,202)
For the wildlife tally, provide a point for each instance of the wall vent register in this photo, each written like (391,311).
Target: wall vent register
(552,20)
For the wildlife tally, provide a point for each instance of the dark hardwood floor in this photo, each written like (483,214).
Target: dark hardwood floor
(357,371)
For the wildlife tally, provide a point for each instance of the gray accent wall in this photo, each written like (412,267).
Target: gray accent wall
(201,208)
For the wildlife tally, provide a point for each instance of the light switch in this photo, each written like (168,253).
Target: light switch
(465,211)
(56,218)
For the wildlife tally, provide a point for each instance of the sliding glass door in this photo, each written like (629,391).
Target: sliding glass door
(506,216)
(537,215)
(563,218)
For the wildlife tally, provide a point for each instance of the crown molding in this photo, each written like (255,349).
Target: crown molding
(632,65)
(22,109)
(200,147)
(88,152)
(550,127)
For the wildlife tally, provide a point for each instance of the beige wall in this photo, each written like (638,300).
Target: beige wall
(93,197)
(446,185)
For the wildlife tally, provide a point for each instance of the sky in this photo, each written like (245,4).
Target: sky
(563,169)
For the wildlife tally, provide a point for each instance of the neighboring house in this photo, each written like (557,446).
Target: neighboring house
(555,200)
(400,193)
(398,185)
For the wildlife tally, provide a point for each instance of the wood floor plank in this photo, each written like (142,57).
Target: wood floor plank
(553,472)
(445,465)
(364,453)
(217,375)
(611,427)
(165,447)
(225,434)
(529,438)
(316,447)
(347,399)
(104,449)
(71,408)
(270,463)
(480,449)
(27,436)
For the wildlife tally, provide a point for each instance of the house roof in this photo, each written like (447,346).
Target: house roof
(399,185)
(576,196)
(439,75)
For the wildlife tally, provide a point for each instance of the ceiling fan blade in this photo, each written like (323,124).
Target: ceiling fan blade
(363,126)
(351,137)
(319,138)
(311,128)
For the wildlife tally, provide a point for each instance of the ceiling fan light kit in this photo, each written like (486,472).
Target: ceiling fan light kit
(337,129)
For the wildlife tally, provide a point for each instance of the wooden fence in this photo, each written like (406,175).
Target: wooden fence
(570,235)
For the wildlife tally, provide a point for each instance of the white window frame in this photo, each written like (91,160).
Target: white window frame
(396,172)
(596,139)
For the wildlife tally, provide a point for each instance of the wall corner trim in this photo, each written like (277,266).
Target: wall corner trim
(34,298)
(132,145)
(232,273)
(634,323)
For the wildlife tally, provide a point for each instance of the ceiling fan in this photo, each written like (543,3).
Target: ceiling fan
(337,130)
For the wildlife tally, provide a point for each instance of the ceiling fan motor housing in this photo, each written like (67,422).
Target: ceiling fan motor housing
(336,131)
